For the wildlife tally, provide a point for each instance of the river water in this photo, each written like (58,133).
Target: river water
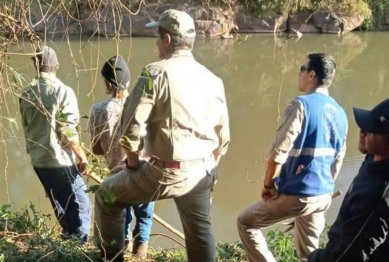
(260,77)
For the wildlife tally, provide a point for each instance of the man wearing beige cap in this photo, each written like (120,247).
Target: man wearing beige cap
(50,117)
(177,115)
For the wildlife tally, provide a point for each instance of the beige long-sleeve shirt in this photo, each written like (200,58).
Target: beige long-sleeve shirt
(177,111)
(50,116)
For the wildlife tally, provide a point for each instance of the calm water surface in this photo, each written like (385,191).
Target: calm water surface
(260,77)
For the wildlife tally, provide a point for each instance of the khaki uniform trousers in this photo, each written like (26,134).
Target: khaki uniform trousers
(309,224)
(190,188)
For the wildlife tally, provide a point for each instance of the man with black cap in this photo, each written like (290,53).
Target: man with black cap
(103,125)
(50,117)
(177,115)
(360,232)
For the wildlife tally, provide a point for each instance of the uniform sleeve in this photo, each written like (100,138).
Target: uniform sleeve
(223,127)
(69,117)
(139,106)
(362,234)
(287,132)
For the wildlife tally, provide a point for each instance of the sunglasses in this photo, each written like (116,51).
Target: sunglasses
(304,68)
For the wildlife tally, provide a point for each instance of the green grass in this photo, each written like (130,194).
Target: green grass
(26,236)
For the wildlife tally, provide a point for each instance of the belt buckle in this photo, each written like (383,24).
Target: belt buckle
(173,165)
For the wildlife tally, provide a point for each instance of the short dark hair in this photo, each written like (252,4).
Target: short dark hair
(178,42)
(324,66)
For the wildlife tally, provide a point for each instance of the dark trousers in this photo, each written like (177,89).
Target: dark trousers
(66,191)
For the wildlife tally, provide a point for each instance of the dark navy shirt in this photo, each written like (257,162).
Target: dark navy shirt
(360,232)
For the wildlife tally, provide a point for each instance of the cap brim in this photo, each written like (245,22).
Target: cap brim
(365,121)
(152,24)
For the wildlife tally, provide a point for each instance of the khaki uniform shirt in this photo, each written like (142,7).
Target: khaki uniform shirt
(50,117)
(290,129)
(177,111)
(103,123)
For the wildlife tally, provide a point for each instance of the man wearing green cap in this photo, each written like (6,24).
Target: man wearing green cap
(103,127)
(177,115)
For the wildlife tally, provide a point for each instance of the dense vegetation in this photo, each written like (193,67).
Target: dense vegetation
(26,236)
(373,10)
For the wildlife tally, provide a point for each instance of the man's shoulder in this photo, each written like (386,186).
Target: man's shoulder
(156,67)
(26,90)
(100,107)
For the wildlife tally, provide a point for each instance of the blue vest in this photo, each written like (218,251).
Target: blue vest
(307,171)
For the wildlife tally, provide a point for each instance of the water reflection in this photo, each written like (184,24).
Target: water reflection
(260,76)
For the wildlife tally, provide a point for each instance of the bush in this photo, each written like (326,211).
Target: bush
(26,236)
(378,8)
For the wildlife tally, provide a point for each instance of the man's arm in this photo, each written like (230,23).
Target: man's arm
(92,129)
(68,120)
(222,130)
(136,112)
(286,135)
(360,236)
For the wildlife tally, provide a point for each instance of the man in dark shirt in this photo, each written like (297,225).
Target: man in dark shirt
(360,232)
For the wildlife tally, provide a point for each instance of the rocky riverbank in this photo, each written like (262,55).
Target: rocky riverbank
(211,20)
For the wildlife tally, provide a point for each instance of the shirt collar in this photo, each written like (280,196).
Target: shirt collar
(320,89)
(46,75)
(183,52)
(377,165)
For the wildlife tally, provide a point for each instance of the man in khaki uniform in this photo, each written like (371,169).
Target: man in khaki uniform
(177,114)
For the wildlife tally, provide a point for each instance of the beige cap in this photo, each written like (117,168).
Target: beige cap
(176,22)
(46,56)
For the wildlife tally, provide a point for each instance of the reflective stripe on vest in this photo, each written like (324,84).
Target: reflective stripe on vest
(310,151)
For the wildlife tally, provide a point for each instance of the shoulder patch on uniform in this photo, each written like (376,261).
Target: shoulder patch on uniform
(147,75)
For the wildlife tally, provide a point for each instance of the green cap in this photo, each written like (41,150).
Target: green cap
(176,22)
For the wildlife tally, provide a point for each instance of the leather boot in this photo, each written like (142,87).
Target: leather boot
(140,249)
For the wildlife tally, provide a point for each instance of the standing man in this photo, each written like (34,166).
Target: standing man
(50,117)
(307,155)
(360,232)
(103,126)
(177,113)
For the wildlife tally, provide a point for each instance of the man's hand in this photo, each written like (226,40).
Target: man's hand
(82,166)
(270,194)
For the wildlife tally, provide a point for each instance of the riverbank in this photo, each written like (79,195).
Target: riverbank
(26,236)
(213,18)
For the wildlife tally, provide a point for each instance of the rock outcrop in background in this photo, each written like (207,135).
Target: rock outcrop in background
(211,21)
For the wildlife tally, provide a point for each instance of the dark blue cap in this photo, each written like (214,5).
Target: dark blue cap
(116,71)
(375,121)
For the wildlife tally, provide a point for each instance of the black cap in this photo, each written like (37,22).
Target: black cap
(116,71)
(375,121)
(46,56)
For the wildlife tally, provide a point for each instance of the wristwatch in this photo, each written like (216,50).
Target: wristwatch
(132,168)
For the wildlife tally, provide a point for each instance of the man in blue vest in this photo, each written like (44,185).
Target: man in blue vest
(302,165)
